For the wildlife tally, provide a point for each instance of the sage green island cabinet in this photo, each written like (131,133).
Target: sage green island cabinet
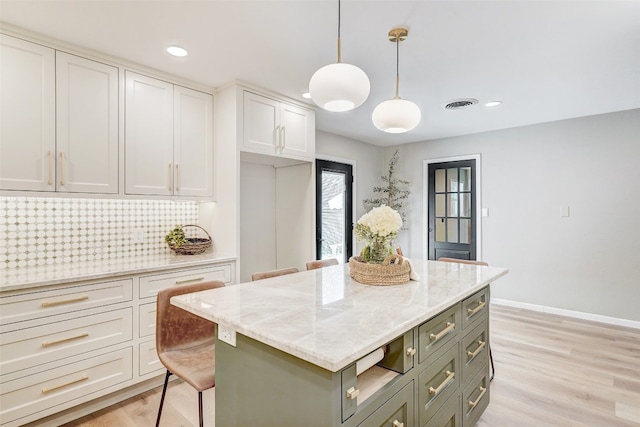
(317,348)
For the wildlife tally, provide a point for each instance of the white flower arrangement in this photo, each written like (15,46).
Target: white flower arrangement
(379,227)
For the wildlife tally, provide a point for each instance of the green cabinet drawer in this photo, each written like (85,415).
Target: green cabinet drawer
(437,332)
(349,391)
(449,415)
(475,307)
(475,399)
(438,382)
(396,412)
(475,351)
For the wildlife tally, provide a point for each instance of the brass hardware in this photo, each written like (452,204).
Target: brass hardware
(473,403)
(397,423)
(197,279)
(450,327)
(352,393)
(50,167)
(60,341)
(66,301)
(471,355)
(56,387)
(473,311)
(450,377)
(411,351)
(61,168)
(177,178)
(398,34)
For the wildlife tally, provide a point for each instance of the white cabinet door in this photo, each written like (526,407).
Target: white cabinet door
(87,125)
(261,124)
(27,127)
(297,136)
(193,142)
(148,135)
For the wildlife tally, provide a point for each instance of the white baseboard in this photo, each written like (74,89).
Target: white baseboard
(569,313)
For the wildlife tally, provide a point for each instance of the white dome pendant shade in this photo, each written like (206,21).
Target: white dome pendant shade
(396,115)
(339,87)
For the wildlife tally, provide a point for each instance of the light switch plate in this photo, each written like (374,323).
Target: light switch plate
(485,211)
(227,335)
(564,211)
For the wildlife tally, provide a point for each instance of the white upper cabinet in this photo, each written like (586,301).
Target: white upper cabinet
(87,125)
(59,121)
(277,128)
(27,128)
(168,139)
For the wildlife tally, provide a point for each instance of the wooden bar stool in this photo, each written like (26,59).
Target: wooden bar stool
(185,342)
(273,273)
(320,263)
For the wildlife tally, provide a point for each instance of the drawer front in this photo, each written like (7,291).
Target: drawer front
(435,333)
(396,412)
(475,399)
(150,285)
(438,382)
(77,382)
(147,323)
(475,307)
(449,415)
(400,354)
(475,351)
(33,305)
(149,361)
(34,346)
(349,391)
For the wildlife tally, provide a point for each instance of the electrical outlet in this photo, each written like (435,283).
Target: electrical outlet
(137,235)
(227,335)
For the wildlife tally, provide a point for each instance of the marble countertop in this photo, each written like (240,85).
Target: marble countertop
(326,318)
(22,278)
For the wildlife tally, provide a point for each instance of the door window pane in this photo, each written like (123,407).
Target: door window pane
(465,179)
(440,205)
(333,186)
(452,180)
(465,231)
(465,205)
(440,180)
(441,234)
(452,230)
(452,205)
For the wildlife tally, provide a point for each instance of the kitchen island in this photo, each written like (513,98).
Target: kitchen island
(294,350)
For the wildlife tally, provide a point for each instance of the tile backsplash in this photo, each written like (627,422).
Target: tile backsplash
(37,231)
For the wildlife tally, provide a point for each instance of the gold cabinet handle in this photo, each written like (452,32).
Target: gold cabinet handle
(411,351)
(471,355)
(397,423)
(197,279)
(472,311)
(283,140)
(450,377)
(65,301)
(450,327)
(473,403)
(60,341)
(62,168)
(50,182)
(352,393)
(177,178)
(170,176)
(56,387)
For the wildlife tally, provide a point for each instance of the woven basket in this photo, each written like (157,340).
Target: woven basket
(194,245)
(393,271)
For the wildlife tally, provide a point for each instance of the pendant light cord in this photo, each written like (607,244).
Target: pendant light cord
(397,66)
(339,48)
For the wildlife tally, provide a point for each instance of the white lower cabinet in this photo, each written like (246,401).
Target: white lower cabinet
(68,344)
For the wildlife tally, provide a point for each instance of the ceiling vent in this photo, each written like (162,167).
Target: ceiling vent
(458,104)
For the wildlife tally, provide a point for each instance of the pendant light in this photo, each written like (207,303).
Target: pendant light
(339,87)
(396,115)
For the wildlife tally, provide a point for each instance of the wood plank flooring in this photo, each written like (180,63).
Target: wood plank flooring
(550,371)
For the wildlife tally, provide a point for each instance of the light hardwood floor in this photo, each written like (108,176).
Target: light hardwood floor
(550,371)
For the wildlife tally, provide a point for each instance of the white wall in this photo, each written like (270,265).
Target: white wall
(587,262)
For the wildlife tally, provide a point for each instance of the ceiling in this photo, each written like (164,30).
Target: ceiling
(546,60)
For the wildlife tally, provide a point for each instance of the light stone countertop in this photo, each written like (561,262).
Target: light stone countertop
(326,318)
(23,278)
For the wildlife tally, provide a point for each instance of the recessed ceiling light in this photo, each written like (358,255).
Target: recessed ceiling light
(306,95)
(177,51)
(493,103)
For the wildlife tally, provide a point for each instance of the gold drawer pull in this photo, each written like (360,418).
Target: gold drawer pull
(56,387)
(50,182)
(352,393)
(64,301)
(411,351)
(473,403)
(450,377)
(197,279)
(450,327)
(397,423)
(473,311)
(471,355)
(60,341)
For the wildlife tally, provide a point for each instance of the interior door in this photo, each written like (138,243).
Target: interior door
(334,207)
(452,204)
